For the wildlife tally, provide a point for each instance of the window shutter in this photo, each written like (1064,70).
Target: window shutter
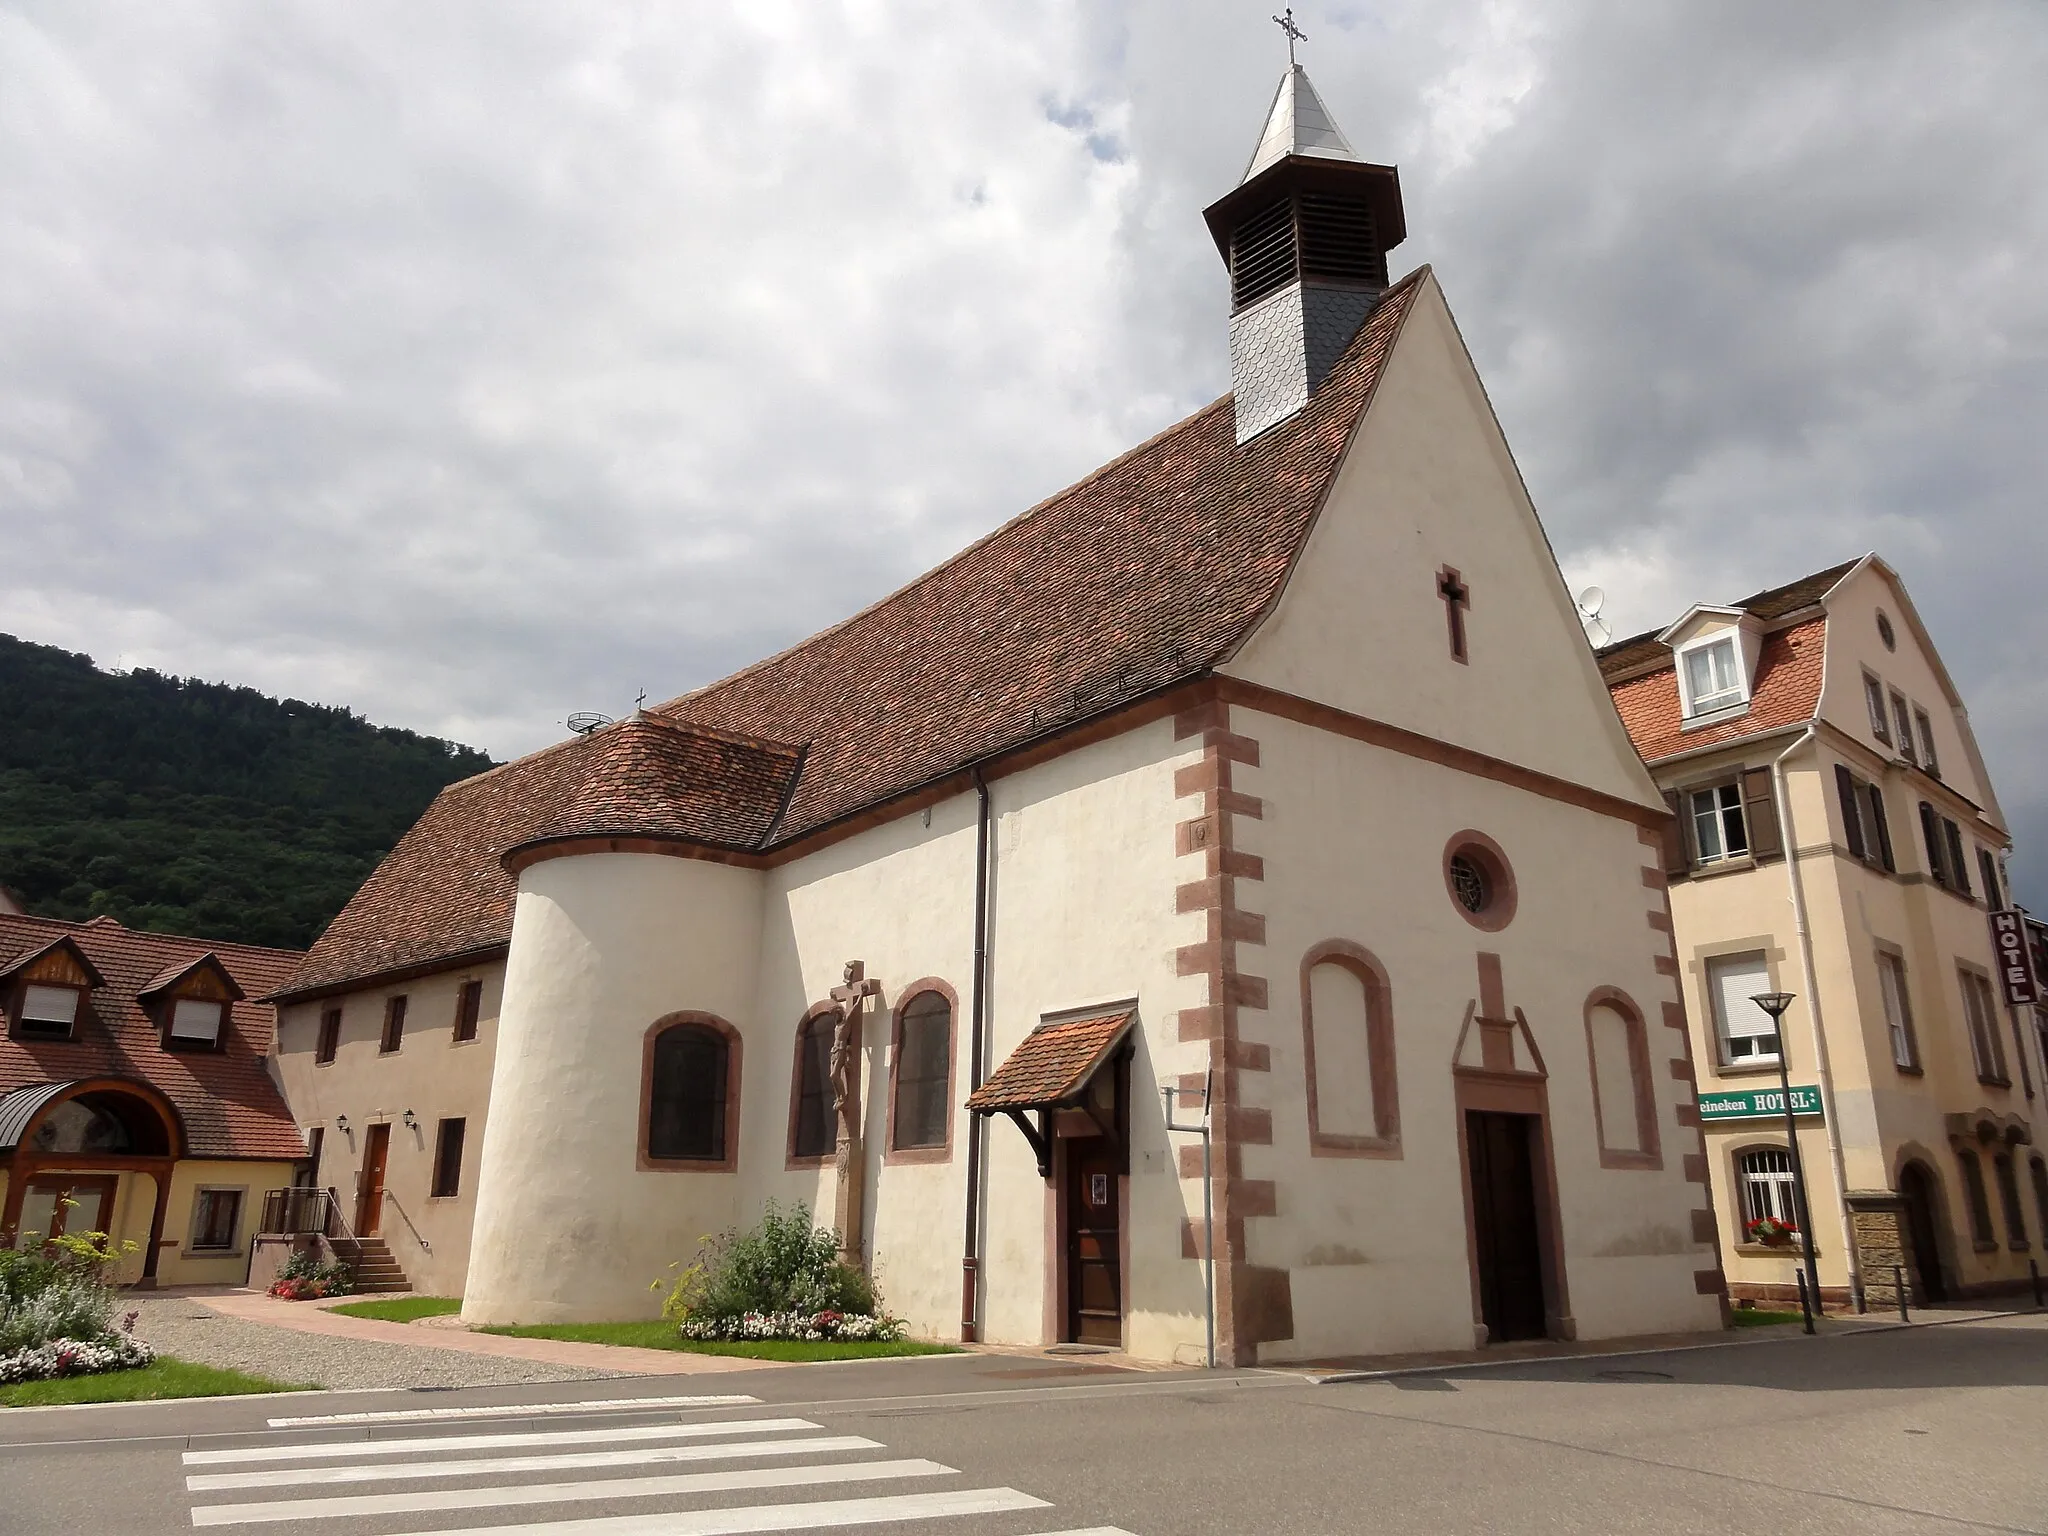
(1760,815)
(1880,826)
(1987,867)
(1958,866)
(1852,816)
(1677,861)
(1930,829)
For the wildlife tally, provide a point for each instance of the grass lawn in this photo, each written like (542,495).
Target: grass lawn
(660,1335)
(163,1378)
(1757,1317)
(401,1309)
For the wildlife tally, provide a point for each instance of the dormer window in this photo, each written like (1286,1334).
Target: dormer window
(196,1021)
(190,1004)
(47,1013)
(1713,677)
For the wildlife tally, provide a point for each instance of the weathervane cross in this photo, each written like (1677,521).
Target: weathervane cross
(1285,22)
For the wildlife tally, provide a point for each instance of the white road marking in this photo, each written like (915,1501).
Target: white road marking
(321,1450)
(813,1516)
(513,1410)
(1093,1530)
(480,1466)
(563,1493)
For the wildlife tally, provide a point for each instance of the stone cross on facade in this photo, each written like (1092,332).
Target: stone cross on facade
(1457,598)
(850,1205)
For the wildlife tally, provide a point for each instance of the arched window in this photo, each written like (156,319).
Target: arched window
(1347,1030)
(1767,1186)
(1979,1201)
(1624,1102)
(812,1134)
(692,1082)
(921,1085)
(2009,1197)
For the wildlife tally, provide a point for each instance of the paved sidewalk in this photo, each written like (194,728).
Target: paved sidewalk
(315,1317)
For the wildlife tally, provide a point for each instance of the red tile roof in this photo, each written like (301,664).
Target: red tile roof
(227,1100)
(1788,676)
(1143,575)
(1771,604)
(1051,1064)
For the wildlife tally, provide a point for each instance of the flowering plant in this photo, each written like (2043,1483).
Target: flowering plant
(1771,1232)
(811,1326)
(305,1278)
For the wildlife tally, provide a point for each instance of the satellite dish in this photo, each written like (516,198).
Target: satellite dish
(584,721)
(1590,602)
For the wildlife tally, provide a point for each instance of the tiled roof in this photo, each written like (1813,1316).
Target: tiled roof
(1788,677)
(1769,605)
(653,777)
(1051,1064)
(227,1100)
(1143,575)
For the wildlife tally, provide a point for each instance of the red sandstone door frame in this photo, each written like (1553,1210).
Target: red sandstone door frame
(1516,1093)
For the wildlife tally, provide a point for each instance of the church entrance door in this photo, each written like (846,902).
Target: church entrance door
(370,1184)
(1094,1242)
(1507,1236)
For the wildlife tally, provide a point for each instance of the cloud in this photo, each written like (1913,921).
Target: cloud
(471,365)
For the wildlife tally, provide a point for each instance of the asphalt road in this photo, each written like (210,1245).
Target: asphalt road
(1930,1430)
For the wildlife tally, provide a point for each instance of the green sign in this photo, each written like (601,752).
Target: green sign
(1758,1103)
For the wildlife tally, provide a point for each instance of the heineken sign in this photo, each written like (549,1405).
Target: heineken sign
(1758,1104)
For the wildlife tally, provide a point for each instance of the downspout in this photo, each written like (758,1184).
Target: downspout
(1830,1122)
(970,1260)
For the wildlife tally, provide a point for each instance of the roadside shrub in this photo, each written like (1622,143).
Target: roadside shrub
(305,1277)
(782,1267)
(57,1310)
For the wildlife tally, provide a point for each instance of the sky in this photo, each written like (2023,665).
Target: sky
(473,364)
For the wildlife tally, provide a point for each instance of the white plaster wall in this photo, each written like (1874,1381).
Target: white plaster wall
(431,1073)
(567,1228)
(1429,482)
(1354,839)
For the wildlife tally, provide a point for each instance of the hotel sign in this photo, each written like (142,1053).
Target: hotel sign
(2015,958)
(1758,1104)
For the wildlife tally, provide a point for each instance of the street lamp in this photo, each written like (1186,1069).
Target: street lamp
(1775,1004)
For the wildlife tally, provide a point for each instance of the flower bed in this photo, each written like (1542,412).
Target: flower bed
(305,1278)
(75,1357)
(809,1326)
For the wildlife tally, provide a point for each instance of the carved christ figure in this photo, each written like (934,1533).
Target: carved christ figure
(851,996)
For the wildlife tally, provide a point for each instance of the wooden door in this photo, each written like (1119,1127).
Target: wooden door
(1507,1234)
(1094,1244)
(370,1184)
(1922,1243)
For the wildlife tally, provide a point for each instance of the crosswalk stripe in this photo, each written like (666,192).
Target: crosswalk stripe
(323,1450)
(813,1516)
(513,1410)
(1093,1530)
(479,1466)
(563,1493)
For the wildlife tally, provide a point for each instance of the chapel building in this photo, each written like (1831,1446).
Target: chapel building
(1816,720)
(1269,759)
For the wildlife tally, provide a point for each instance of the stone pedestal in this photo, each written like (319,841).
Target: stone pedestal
(1877,1222)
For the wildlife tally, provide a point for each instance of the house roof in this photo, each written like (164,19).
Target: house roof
(1143,575)
(1298,124)
(1788,678)
(228,1102)
(1624,657)
(1052,1064)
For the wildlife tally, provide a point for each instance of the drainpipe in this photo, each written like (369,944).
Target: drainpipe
(1831,1123)
(970,1259)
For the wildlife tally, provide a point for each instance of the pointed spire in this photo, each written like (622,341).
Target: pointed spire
(1299,124)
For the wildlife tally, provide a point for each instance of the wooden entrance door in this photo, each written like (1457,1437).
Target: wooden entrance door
(370,1184)
(1507,1234)
(1922,1242)
(1094,1243)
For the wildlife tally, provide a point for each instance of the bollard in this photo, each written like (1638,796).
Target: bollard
(1805,1298)
(1899,1283)
(2035,1270)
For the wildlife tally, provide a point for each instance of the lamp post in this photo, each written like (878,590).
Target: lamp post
(1775,1004)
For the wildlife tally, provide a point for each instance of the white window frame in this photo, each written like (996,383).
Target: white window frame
(1722,700)
(1873,701)
(1725,1039)
(1902,719)
(1767,1191)
(1724,804)
(1898,1009)
(1929,758)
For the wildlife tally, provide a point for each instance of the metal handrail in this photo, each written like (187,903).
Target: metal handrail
(336,1219)
(392,1200)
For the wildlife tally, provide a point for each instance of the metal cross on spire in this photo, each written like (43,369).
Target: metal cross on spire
(1285,22)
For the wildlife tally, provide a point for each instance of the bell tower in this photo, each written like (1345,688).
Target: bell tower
(1305,235)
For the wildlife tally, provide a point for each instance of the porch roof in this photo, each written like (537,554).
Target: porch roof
(1052,1064)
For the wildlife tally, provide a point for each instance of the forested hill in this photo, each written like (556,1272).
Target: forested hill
(197,808)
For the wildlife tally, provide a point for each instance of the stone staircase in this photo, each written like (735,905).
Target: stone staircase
(376,1271)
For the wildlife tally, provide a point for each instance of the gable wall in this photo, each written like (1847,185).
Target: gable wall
(1429,482)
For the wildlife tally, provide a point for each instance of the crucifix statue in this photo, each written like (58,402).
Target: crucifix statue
(1285,23)
(851,996)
